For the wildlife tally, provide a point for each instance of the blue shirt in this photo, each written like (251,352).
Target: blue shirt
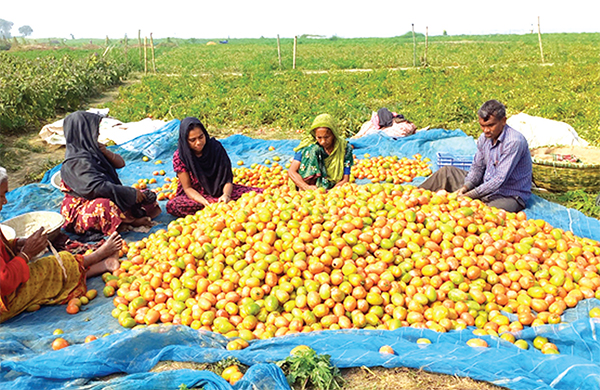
(502,169)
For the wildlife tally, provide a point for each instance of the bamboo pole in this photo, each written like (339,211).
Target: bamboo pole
(279,51)
(145,55)
(540,39)
(153,58)
(414,46)
(426,44)
(140,44)
(126,42)
(295,46)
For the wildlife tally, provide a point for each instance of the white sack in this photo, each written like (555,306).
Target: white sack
(545,132)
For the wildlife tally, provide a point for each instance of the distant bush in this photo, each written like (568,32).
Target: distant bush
(35,89)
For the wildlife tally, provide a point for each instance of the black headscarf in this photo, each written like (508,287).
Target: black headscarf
(385,117)
(213,168)
(86,170)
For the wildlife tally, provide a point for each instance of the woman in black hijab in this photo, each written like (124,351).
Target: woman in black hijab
(203,169)
(95,199)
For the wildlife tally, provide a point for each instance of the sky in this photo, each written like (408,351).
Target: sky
(268,18)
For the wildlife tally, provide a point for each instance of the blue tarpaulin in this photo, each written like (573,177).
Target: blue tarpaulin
(29,362)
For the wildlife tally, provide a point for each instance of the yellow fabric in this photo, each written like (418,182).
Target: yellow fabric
(47,284)
(334,163)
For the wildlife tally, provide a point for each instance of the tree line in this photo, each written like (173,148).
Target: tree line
(6,27)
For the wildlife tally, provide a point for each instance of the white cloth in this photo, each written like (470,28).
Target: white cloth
(111,129)
(397,130)
(545,132)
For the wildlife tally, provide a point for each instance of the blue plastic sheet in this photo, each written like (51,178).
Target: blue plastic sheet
(29,362)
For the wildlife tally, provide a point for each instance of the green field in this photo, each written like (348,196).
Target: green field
(241,86)
(38,85)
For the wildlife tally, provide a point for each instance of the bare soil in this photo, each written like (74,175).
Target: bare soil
(373,378)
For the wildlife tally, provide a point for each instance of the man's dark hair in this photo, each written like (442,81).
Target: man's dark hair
(492,108)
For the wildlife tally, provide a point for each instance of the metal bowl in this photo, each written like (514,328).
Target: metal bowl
(8,232)
(26,224)
(55,180)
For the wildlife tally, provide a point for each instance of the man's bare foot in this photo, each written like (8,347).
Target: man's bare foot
(110,249)
(108,265)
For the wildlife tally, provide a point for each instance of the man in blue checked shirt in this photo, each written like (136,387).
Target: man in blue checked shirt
(501,172)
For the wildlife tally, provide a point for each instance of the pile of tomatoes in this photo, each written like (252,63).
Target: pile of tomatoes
(390,169)
(377,256)
(261,176)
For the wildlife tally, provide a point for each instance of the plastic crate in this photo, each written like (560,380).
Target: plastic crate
(462,162)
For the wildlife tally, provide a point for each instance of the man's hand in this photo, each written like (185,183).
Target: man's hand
(461,191)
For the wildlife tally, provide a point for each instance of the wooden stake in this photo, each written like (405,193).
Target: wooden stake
(294,58)
(426,44)
(153,58)
(145,55)
(126,42)
(540,39)
(279,51)
(414,46)
(140,44)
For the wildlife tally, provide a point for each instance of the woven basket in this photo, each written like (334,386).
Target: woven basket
(26,224)
(560,176)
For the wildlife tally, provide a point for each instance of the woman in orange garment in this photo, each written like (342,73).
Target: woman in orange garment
(24,283)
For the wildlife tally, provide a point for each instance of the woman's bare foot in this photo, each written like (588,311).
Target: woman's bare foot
(108,265)
(153,210)
(110,249)
(143,221)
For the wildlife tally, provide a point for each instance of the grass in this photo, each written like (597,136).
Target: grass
(23,143)
(9,159)
(578,200)
(38,172)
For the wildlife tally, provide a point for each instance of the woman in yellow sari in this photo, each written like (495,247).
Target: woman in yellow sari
(323,158)
(26,282)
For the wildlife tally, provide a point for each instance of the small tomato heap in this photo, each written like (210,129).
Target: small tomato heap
(390,169)
(377,256)
(168,189)
(261,176)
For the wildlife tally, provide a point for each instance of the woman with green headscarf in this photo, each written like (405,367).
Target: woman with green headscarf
(323,158)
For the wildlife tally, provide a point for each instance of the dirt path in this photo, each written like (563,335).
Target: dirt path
(27,156)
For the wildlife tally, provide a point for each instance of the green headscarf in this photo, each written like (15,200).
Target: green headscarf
(334,163)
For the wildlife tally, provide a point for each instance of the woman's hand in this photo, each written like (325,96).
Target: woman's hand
(115,159)
(35,243)
(139,196)
(297,179)
(225,198)
(227,189)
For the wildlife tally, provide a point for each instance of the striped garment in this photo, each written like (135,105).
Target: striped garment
(501,170)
